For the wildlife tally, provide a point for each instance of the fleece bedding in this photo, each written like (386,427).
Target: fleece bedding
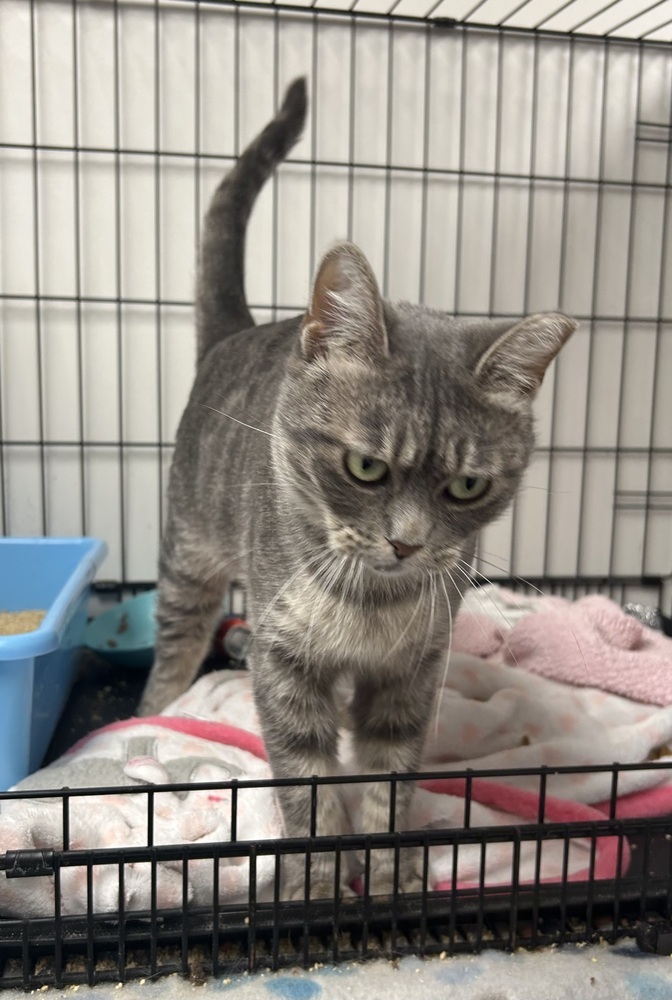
(501,705)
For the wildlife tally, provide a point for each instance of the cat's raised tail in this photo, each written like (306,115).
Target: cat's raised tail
(221,304)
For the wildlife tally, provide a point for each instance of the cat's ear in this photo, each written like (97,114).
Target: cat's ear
(346,309)
(514,365)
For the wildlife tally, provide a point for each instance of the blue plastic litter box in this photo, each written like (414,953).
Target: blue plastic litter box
(37,668)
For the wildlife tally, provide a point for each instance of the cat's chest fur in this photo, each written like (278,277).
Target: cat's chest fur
(346,634)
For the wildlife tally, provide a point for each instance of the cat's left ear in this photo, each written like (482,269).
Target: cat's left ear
(346,309)
(515,364)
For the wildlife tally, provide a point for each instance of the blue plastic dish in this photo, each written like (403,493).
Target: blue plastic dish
(124,635)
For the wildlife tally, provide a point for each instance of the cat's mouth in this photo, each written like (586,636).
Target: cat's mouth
(387,568)
(393,567)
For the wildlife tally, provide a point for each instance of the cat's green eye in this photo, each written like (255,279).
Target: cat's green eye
(365,468)
(466,488)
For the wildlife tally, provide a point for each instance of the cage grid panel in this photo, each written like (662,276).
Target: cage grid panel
(512,172)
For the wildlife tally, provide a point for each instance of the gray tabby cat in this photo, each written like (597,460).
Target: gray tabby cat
(341,464)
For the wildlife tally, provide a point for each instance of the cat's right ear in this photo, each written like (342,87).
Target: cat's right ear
(346,309)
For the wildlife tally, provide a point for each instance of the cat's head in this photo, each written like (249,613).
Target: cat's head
(400,432)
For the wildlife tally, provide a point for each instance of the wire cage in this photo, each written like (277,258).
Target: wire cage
(491,159)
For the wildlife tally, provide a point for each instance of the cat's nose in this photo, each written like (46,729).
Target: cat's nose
(401,550)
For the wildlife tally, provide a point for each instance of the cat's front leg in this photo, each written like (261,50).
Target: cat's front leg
(299,719)
(391,714)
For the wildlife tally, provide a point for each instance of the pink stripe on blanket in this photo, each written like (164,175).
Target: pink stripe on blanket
(519,802)
(215,732)
(649,802)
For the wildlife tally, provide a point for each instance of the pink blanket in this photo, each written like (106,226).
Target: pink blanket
(590,642)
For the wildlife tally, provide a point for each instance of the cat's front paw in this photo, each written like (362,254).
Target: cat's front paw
(381,880)
(322,879)
(319,890)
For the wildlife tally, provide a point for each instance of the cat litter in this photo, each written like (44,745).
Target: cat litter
(18,622)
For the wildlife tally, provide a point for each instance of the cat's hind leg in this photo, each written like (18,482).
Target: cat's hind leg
(191,588)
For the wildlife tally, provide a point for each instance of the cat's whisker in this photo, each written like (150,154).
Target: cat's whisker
(260,623)
(353,578)
(433,593)
(242,409)
(412,658)
(508,573)
(348,573)
(541,593)
(244,486)
(479,596)
(335,573)
(477,593)
(407,626)
(345,583)
(462,594)
(568,624)
(437,716)
(478,590)
(427,633)
(328,572)
(338,577)
(237,421)
(357,585)
(453,581)
(326,565)
(220,567)
(545,489)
